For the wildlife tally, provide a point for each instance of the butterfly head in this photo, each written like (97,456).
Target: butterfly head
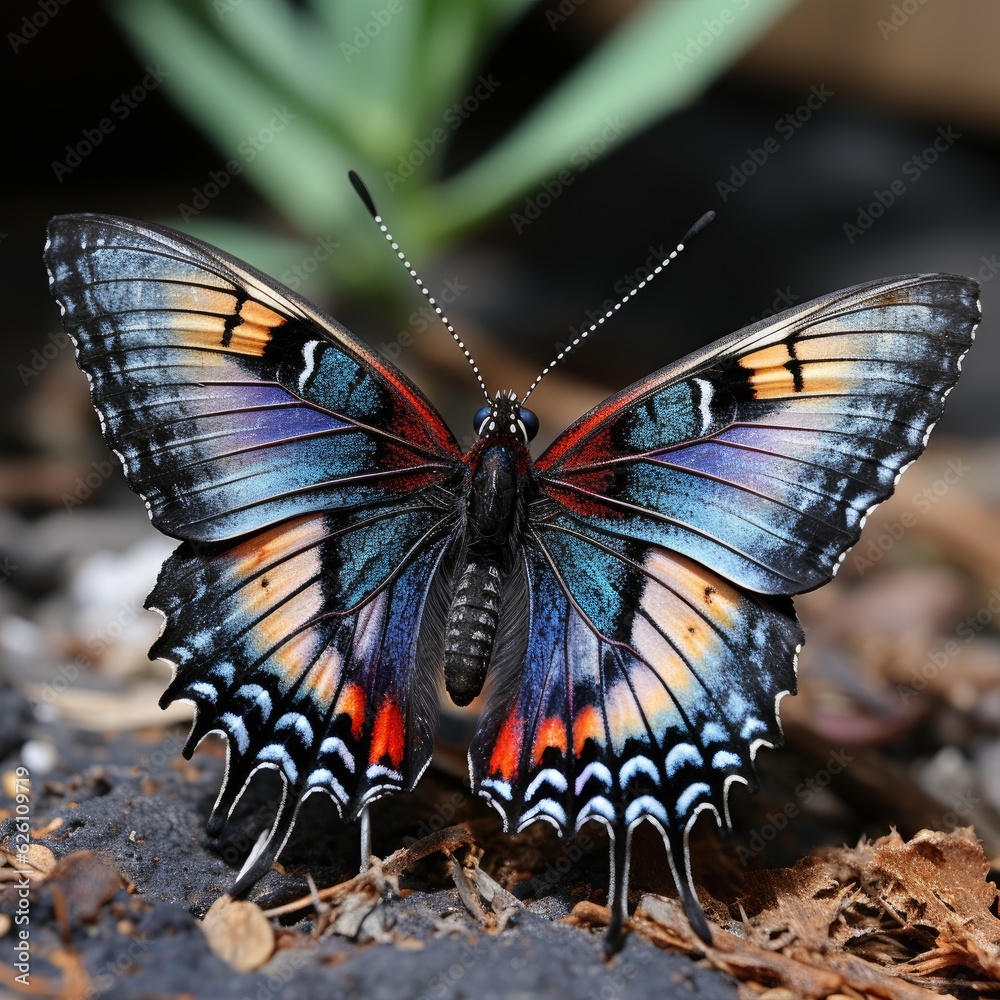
(505,416)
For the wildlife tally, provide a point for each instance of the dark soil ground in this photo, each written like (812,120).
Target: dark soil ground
(896,727)
(137,802)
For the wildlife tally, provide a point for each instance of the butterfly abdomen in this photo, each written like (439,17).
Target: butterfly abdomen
(471,630)
(493,523)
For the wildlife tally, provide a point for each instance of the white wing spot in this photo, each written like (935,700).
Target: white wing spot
(706,403)
(309,357)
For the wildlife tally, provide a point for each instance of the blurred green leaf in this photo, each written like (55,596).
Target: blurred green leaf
(638,75)
(294,95)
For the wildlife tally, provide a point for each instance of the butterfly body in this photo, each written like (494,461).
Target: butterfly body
(488,541)
(623,599)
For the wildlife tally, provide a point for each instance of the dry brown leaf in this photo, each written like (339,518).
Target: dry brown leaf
(482,896)
(12,785)
(884,919)
(918,909)
(35,862)
(466,890)
(87,880)
(46,831)
(495,896)
(914,909)
(810,976)
(360,917)
(239,933)
(937,881)
(802,905)
(76,982)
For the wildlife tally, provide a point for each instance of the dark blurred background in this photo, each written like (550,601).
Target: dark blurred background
(887,93)
(814,112)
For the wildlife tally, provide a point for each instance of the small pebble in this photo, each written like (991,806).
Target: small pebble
(39,757)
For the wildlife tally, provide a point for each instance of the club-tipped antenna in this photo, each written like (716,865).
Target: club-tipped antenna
(365,195)
(688,236)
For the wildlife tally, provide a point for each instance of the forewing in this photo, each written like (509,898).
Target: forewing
(232,403)
(760,456)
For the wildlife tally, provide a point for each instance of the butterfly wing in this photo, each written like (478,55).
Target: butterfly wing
(309,480)
(760,456)
(311,647)
(639,694)
(231,401)
(672,520)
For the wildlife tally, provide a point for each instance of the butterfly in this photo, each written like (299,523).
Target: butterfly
(624,597)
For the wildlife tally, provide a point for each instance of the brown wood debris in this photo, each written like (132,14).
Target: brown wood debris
(890,919)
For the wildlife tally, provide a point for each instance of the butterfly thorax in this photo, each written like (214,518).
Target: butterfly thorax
(498,487)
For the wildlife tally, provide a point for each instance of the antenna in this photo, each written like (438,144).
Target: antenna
(689,235)
(365,195)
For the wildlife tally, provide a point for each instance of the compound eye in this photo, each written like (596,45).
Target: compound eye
(482,415)
(530,422)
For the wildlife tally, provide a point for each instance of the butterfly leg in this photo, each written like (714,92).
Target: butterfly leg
(264,853)
(677,848)
(620,848)
(366,840)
